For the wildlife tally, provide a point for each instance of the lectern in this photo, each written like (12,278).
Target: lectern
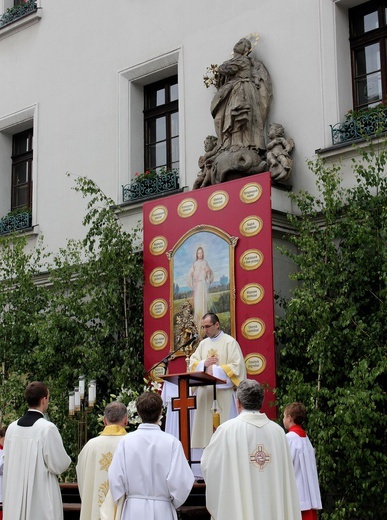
(185,402)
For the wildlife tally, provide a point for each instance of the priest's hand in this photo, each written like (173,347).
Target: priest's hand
(208,364)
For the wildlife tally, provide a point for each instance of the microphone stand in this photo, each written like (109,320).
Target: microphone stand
(165,360)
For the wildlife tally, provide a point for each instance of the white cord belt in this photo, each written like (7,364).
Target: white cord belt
(143,497)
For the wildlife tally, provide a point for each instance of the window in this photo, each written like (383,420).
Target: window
(139,104)
(368,39)
(21,185)
(161,124)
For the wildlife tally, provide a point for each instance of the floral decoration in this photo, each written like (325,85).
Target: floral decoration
(212,76)
(128,397)
(152,174)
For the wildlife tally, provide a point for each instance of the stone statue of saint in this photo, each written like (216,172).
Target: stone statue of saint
(240,108)
(241,105)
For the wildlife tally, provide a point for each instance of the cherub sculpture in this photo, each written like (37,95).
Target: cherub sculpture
(205,162)
(278,150)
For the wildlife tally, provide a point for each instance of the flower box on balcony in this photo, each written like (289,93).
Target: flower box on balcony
(18,11)
(15,222)
(360,124)
(150,185)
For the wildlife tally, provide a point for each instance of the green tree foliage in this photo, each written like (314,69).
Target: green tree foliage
(77,312)
(333,335)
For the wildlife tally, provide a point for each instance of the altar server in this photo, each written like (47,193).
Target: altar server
(149,467)
(304,460)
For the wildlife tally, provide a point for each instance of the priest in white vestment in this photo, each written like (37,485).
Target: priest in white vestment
(247,466)
(221,356)
(33,457)
(95,458)
(149,468)
(304,460)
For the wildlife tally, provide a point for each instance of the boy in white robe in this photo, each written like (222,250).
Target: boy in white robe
(247,465)
(149,468)
(304,460)
(33,457)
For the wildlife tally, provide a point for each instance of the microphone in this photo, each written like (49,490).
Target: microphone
(171,354)
(194,338)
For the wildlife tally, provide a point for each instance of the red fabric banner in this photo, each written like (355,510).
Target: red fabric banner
(211,250)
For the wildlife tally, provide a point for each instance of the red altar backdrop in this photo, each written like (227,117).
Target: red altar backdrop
(227,229)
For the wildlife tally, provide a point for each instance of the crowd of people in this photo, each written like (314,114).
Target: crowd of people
(252,469)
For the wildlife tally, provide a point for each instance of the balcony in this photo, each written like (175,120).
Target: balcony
(18,11)
(14,222)
(359,125)
(150,185)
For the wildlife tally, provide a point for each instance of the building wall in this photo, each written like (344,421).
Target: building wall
(78,74)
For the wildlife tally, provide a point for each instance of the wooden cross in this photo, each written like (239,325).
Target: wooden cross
(183,404)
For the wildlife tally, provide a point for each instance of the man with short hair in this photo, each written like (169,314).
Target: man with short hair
(149,467)
(33,457)
(247,466)
(95,458)
(221,356)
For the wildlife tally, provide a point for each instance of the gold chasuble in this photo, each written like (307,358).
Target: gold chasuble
(92,470)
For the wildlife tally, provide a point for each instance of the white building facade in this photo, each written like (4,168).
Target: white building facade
(80,82)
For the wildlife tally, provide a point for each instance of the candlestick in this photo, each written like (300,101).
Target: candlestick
(80,406)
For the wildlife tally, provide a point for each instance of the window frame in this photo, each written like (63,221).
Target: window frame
(151,114)
(26,158)
(361,41)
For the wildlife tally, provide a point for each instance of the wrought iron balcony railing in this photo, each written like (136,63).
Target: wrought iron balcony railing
(18,11)
(16,222)
(150,187)
(360,125)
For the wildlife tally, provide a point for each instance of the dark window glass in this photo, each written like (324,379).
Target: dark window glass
(161,124)
(368,37)
(22,156)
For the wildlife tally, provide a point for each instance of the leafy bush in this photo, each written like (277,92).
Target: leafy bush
(333,335)
(83,316)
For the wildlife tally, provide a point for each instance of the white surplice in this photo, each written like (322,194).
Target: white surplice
(231,368)
(249,472)
(305,468)
(33,457)
(92,470)
(149,468)
(1,474)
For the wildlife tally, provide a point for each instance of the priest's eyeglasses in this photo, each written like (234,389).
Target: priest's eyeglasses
(208,326)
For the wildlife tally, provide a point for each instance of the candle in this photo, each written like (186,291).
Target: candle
(82,387)
(71,403)
(92,392)
(77,399)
